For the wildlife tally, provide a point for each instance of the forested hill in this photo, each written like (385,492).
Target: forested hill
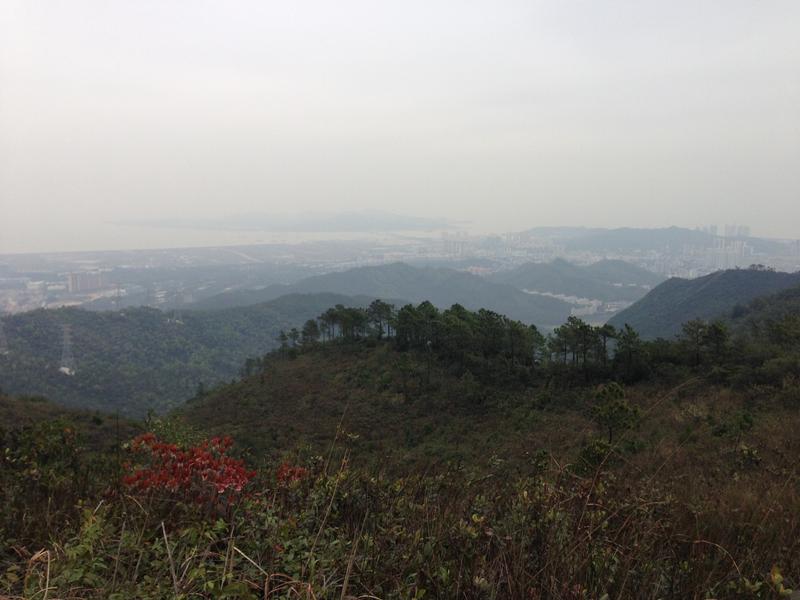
(431,375)
(140,359)
(394,408)
(776,317)
(441,286)
(663,311)
(606,280)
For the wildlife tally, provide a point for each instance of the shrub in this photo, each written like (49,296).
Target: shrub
(201,474)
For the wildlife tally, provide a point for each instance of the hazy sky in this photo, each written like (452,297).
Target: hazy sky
(508,114)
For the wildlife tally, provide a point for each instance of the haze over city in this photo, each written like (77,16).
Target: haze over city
(495,116)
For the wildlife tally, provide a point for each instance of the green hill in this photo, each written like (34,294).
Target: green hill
(775,318)
(441,286)
(606,280)
(768,308)
(663,311)
(143,359)
(384,402)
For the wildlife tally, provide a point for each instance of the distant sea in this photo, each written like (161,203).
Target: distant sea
(135,237)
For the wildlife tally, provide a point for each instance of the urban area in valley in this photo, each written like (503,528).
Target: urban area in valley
(177,278)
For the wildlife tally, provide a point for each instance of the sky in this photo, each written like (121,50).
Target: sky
(501,114)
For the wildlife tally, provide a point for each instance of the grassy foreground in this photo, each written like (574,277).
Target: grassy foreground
(699,500)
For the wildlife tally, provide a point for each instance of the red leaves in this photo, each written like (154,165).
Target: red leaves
(199,472)
(203,474)
(287,473)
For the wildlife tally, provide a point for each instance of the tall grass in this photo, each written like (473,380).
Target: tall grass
(615,532)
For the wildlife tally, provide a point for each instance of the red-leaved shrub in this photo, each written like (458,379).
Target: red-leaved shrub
(199,474)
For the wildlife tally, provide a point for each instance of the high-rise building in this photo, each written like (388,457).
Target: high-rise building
(709,229)
(732,231)
(85,281)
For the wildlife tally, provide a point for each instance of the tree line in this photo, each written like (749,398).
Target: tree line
(492,346)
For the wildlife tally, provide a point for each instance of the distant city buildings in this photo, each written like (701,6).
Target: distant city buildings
(740,231)
(85,281)
(730,253)
(729,231)
(455,244)
(709,229)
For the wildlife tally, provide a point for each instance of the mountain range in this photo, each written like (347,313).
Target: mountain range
(441,286)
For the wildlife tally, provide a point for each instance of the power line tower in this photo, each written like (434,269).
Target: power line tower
(67,360)
(3,341)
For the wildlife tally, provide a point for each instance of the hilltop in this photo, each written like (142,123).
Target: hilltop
(663,311)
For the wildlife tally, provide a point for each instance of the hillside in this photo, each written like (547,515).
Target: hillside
(143,359)
(774,307)
(663,311)
(441,286)
(98,430)
(767,315)
(606,280)
(442,466)
(384,402)
(446,385)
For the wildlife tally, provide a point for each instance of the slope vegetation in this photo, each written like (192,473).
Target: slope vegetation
(663,311)
(393,411)
(99,431)
(143,359)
